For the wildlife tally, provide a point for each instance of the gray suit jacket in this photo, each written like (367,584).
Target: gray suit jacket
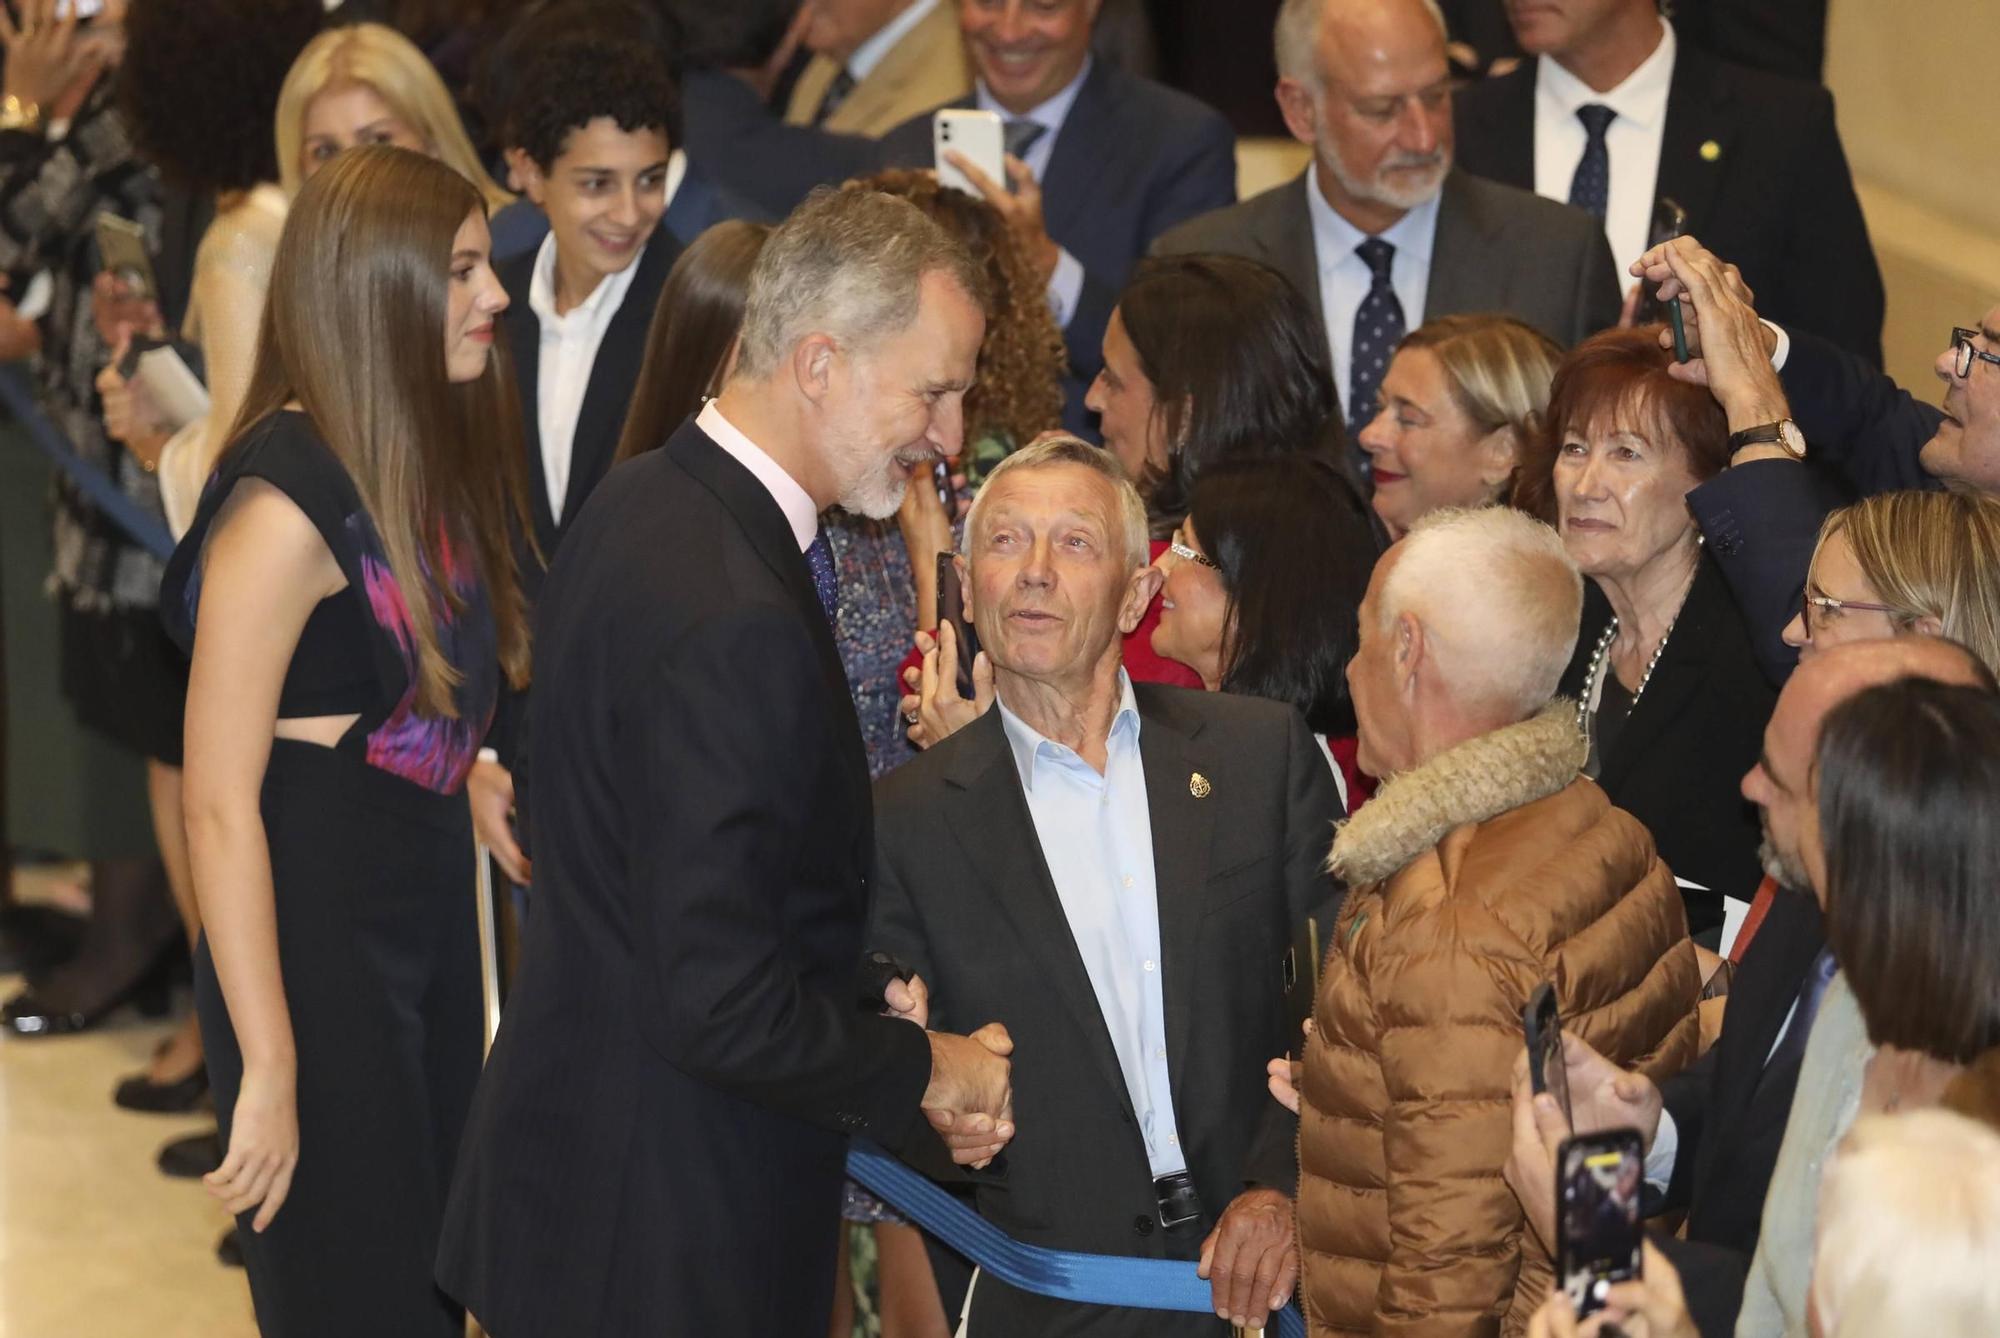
(1497,249)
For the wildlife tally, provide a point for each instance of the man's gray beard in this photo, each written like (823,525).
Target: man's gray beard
(1785,868)
(1378,191)
(875,496)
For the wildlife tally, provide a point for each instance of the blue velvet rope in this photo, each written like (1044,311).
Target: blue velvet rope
(1094,1279)
(146,529)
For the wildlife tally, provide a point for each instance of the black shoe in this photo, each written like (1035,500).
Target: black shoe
(192,1157)
(27,1015)
(141,1093)
(228,1250)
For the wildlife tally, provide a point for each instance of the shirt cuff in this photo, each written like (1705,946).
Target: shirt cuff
(1784,348)
(1065,287)
(489,754)
(1660,1157)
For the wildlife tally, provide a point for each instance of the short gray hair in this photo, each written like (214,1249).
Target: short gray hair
(849,263)
(1499,599)
(1059,448)
(1296,35)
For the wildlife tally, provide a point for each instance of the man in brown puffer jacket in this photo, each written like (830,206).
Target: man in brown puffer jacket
(1485,865)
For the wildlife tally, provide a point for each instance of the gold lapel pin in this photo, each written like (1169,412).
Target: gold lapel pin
(1710,150)
(1198,785)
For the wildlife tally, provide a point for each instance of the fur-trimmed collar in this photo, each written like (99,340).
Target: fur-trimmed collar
(1479,779)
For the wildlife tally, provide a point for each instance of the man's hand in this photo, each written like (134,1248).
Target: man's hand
(970,1100)
(1729,348)
(490,789)
(44,55)
(1020,207)
(909,1000)
(935,711)
(1251,1259)
(1530,1170)
(1602,1095)
(1650,1306)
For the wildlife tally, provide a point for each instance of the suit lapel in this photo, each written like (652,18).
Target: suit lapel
(614,373)
(1677,680)
(1700,113)
(524,341)
(1081,149)
(1182,826)
(988,815)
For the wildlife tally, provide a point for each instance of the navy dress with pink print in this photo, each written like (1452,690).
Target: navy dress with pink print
(371,857)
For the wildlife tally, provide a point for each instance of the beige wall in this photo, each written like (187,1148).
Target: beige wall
(1912,82)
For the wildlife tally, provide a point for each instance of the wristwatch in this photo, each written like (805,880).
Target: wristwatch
(18,115)
(1784,434)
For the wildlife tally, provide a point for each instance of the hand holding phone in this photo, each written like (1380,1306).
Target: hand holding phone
(951,609)
(979,137)
(1600,1179)
(1541,1025)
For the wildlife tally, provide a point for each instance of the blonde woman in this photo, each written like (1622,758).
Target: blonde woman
(1461,401)
(1901,563)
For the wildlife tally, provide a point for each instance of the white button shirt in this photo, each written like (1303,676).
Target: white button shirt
(568,351)
(1344,277)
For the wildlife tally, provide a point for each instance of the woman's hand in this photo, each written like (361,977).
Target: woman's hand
(44,53)
(130,418)
(1283,1080)
(119,312)
(263,1147)
(935,711)
(489,788)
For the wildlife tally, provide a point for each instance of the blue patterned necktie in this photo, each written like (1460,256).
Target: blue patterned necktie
(1378,328)
(819,557)
(1590,188)
(1791,1047)
(837,90)
(1021,135)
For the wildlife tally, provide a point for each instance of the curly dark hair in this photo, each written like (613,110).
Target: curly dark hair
(576,79)
(1018,389)
(199,85)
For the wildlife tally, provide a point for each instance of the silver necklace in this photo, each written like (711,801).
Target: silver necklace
(1600,660)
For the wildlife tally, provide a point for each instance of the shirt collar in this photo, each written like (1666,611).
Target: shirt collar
(603,302)
(1641,98)
(677,170)
(1028,744)
(1050,114)
(870,53)
(1336,238)
(792,499)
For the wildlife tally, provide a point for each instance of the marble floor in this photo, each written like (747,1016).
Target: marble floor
(94,1242)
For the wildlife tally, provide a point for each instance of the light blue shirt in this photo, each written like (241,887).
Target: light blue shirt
(1344,277)
(1066,284)
(1096,835)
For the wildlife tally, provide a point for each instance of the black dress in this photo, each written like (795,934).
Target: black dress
(371,871)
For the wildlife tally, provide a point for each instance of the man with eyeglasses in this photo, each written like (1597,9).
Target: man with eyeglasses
(1795,399)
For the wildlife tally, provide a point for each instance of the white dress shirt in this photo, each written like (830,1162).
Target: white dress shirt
(1096,836)
(870,53)
(1631,141)
(568,352)
(1066,284)
(792,499)
(1344,277)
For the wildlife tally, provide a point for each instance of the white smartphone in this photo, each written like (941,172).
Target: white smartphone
(83,9)
(121,245)
(977,135)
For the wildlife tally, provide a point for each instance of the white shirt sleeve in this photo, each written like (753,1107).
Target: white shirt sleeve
(1784,348)
(1065,287)
(1666,1149)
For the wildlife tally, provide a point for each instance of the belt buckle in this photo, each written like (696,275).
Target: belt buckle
(1178,1203)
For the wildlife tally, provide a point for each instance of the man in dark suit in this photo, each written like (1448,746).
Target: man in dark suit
(1113,870)
(1101,162)
(1612,113)
(658,1140)
(1381,232)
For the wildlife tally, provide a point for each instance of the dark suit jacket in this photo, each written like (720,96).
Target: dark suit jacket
(1496,249)
(747,149)
(1776,198)
(1678,760)
(659,1136)
(964,897)
(1858,423)
(1133,159)
(1730,1111)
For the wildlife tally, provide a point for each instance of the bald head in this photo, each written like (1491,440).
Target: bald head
(1311,32)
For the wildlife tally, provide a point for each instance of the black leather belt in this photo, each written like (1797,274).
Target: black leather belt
(1179,1204)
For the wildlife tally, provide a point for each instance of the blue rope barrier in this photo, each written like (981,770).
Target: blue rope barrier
(1093,1279)
(146,529)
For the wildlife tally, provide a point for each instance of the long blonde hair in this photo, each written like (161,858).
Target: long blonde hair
(390,65)
(354,332)
(1931,555)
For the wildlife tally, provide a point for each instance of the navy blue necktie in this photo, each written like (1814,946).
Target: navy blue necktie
(837,90)
(1378,328)
(1590,188)
(1791,1047)
(1022,134)
(819,557)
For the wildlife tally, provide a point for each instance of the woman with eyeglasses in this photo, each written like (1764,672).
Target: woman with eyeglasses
(1903,563)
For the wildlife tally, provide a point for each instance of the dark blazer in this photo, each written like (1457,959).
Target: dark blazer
(1858,424)
(660,1133)
(964,897)
(1133,159)
(1730,1110)
(744,146)
(1756,161)
(1677,762)
(1496,249)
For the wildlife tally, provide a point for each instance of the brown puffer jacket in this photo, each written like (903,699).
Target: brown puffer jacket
(1475,877)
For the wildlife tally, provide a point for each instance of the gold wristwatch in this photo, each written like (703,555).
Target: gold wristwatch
(18,115)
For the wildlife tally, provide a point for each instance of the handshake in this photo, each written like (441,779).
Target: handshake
(970,1100)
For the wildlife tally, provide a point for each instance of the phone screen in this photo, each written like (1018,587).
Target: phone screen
(1542,1026)
(1602,1179)
(1669,221)
(951,609)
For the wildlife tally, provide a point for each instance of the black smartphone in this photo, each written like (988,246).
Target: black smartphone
(1600,1180)
(1542,1027)
(951,609)
(1300,976)
(1669,222)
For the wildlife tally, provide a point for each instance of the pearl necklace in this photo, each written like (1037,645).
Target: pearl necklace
(1600,664)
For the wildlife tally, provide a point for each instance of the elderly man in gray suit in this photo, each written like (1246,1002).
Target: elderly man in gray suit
(1381,232)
